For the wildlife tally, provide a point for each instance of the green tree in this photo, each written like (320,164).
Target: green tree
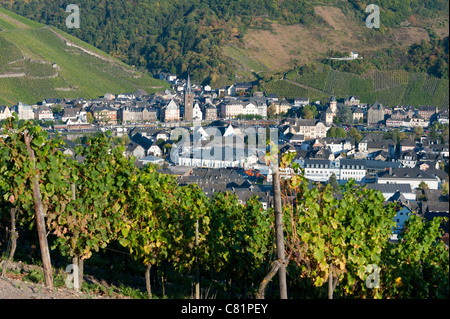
(337,132)
(355,134)
(89,118)
(423,186)
(310,111)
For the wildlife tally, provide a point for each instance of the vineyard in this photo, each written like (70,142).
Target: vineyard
(28,51)
(87,212)
(390,88)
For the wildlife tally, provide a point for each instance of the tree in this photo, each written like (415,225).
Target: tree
(423,186)
(57,109)
(418,130)
(337,132)
(271,111)
(445,188)
(354,134)
(308,114)
(89,118)
(309,111)
(334,184)
(345,114)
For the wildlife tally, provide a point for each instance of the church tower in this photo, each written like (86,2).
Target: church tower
(333,105)
(188,101)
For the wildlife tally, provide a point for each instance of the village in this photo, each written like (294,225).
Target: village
(216,138)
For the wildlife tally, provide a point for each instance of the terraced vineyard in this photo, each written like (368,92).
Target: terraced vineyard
(36,62)
(387,79)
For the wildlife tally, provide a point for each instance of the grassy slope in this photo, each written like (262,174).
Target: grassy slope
(31,48)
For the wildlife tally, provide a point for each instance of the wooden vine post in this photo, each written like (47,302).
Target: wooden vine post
(39,212)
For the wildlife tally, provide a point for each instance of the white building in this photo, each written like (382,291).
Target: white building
(5,112)
(25,112)
(412,176)
(197,112)
(319,170)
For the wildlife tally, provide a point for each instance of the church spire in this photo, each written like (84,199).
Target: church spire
(188,85)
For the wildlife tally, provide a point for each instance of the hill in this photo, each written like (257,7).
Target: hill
(221,41)
(389,87)
(39,61)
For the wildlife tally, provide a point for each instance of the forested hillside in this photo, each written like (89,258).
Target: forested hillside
(178,35)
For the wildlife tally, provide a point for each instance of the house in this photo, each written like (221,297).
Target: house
(352,100)
(197,113)
(143,141)
(333,105)
(427,111)
(149,114)
(354,55)
(329,116)
(5,112)
(134,149)
(442,116)
(416,120)
(51,102)
(230,108)
(389,190)
(210,112)
(152,160)
(72,113)
(272,97)
(301,101)
(357,115)
(407,145)
(310,129)
(170,112)
(295,139)
(412,176)
(282,107)
(44,113)
(244,86)
(104,114)
(408,158)
(338,145)
(154,150)
(403,210)
(320,170)
(375,113)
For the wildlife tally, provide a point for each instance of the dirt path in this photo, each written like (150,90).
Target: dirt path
(302,85)
(13,21)
(12,286)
